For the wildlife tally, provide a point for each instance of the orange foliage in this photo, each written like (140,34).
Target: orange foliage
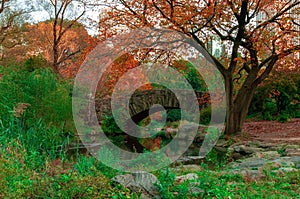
(112,75)
(152,144)
(38,40)
(40,37)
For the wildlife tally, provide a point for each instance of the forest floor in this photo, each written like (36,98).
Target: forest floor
(272,131)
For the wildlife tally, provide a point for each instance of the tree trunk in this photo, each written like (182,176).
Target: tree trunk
(237,106)
(230,117)
(55,54)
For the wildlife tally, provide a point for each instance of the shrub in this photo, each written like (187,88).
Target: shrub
(109,125)
(205,115)
(36,62)
(195,79)
(174,115)
(283,117)
(277,95)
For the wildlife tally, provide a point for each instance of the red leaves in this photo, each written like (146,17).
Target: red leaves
(152,144)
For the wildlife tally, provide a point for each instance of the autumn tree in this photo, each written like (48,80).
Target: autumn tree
(71,45)
(63,15)
(37,41)
(11,18)
(256,36)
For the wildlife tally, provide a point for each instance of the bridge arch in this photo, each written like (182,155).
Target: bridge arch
(141,102)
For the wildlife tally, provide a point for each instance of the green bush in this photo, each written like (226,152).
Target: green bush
(36,62)
(195,79)
(109,125)
(277,95)
(283,117)
(205,115)
(174,115)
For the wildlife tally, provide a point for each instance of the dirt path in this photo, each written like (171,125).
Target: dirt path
(272,131)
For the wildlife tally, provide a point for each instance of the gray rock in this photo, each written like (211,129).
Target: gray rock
(247,149)
(222,143)
(189,160)
(293,161)
(287,169)
(194,188)
(221,149)
(254,174)
(139,181)
(145,196)
(255,163)
(292,152)
(187,177)
(267,154)
(249,163)
(283,162)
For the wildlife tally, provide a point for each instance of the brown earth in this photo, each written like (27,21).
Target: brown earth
(272,131)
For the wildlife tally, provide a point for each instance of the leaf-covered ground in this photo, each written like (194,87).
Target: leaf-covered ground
(272,131)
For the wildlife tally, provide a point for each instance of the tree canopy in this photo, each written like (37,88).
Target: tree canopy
(256,36)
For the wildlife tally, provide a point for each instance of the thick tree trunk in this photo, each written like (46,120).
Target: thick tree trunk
(237,106)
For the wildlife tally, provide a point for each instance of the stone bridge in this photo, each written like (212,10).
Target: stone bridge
(141,101)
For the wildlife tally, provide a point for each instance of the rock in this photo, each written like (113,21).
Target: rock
(247,149)
(255,163)
(189,160)
(267,154)
(222,143)
(294,159)
(235,156)
(261,150)
(253,158)
(187,177)
(270,146)
(221,149)
(139,181)
(188,167)
(253,174)
(199,138)
(292,152)
(287,169)
(249,163)
(145,196)
(283,162)
(194,188)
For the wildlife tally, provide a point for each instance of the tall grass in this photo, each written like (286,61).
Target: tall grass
(35,109)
